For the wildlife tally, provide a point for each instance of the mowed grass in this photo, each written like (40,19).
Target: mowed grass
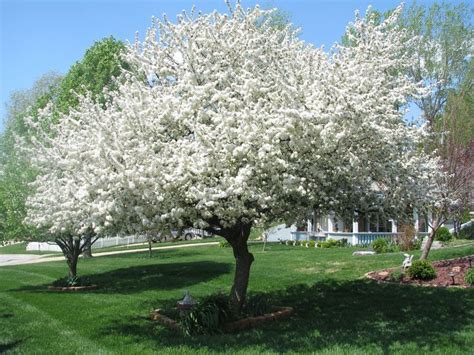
(20,248)
(337,311)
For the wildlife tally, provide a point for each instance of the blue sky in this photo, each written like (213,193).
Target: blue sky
(39,36)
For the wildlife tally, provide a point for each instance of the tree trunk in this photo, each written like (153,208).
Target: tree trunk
(149,247)
(72,263)
(457,227)
(431,237)
(71,249)
(243,261)
(87,253)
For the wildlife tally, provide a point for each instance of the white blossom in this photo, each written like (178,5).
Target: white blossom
(240,122)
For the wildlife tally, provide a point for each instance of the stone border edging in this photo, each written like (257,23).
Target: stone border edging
(250,322)
(72,288)
(241,324)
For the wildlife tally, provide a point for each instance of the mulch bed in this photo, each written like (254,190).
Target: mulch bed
(443,268)
(239,325)
(72,288)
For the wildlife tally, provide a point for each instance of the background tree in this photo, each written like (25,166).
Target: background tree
(242,123)
(100,65)
(456,146)
(15,171)
(443,52)
(444,64)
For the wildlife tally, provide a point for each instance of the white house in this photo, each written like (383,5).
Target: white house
(362,230)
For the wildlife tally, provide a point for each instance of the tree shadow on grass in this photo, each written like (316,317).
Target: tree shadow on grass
(334,315)
(162,276)
(4,347)
(159,254)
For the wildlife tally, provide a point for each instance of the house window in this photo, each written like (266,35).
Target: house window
(362,220)
(385,225)
(323,223)
(423,223)
(373,222)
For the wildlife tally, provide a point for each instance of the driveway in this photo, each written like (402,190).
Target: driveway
(19,259)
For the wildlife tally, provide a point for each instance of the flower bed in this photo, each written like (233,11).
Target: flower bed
(236,326)
(72,288)
(72,284)
(447,271)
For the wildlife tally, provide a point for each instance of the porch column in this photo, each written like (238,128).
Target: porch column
(415,218)
(430,221)
(309,228)
(355,229)
(330,224)
(394,225)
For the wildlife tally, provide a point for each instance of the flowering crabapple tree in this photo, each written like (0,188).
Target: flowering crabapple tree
(231,122)
(449,187)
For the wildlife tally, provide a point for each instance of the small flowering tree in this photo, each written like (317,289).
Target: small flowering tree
(449,187)
(233,121)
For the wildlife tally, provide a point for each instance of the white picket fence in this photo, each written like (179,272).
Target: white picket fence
(115,241)
(187,234)
(100,243)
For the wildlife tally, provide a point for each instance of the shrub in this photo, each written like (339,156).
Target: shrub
(311,244)
(443,235)
(256,305)
(207,316)
(469,277)
(393,247)
(332,243)
(406,239)
(396,276)
(380,245)
(417,243)
(224,244)
(467,232)
(421,270)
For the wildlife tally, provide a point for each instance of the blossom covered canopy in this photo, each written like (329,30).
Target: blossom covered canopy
(226,119)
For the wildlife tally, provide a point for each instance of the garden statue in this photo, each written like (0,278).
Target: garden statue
(407,262)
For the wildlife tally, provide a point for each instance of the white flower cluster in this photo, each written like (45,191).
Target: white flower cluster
(227,119)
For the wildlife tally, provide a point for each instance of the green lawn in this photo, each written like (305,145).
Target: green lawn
(157,244)
(21,247)
(336,310)
(458,242)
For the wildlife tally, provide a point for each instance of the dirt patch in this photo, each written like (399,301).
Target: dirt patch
(449,273)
